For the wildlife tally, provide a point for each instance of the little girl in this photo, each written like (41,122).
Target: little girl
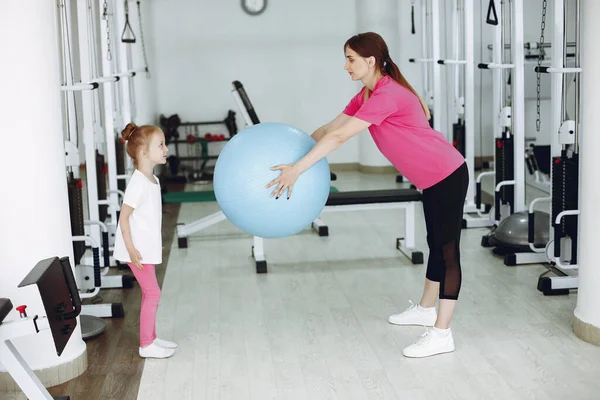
(138,240)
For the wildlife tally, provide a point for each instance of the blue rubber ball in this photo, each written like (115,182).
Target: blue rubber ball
(243,170)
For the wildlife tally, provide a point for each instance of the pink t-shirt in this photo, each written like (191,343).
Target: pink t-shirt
(402,133)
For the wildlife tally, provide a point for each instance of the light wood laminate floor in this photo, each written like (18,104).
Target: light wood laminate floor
(315,327)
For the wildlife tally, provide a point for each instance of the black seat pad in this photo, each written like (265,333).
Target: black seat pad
(5,307)
(373,197)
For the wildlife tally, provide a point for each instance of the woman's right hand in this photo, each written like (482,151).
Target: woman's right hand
(136,257)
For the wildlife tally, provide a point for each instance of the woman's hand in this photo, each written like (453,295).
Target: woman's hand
(136,257)
(286,180)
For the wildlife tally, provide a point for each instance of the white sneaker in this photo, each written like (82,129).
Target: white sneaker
(431,343)
(415,315)
(165,343)
(155,351)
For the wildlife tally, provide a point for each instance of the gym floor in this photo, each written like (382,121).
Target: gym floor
(316,327)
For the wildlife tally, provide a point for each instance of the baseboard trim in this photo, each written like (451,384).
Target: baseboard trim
(384,169)
(367,169)
(586,332)
(49,376)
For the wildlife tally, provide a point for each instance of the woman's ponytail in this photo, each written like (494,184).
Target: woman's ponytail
(391,69)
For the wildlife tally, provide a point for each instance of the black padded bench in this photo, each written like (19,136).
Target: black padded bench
(373,197)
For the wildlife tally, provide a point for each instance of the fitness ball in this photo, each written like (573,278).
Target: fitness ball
(243,170)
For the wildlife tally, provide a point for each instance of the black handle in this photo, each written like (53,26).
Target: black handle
(529,165)
(105,249)
(541,70)
(412,18)
(483,66)
(557,236)
(72,287)
(441,62)
(96,253)
(497,210)
(491,10)
(478,195)
(411,60)
(247,104)
(531,228)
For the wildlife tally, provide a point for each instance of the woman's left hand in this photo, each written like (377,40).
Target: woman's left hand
(286,180)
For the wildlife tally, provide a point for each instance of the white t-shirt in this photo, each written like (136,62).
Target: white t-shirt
(146,220)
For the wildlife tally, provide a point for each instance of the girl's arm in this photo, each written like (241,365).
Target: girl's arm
(135,256)
(330,126)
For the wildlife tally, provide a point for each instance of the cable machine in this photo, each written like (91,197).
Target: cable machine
(561,250)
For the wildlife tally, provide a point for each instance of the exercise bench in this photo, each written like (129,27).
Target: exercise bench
(406,199)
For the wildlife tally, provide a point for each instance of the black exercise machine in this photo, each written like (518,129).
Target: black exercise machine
(60,296)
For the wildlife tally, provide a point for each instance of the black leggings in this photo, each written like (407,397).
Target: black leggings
(443,208)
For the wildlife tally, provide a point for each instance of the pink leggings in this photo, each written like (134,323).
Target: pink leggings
(150,296)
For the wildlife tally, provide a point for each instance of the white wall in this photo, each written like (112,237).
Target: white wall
(290,60)
(35,224)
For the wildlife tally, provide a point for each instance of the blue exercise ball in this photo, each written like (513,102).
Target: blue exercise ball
(243,170)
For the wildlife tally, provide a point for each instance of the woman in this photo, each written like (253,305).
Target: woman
(397,119)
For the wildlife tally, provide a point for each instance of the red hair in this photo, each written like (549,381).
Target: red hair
(371,44)
(137,137)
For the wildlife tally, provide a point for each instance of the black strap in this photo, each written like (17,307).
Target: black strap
(492,9)
(412,18)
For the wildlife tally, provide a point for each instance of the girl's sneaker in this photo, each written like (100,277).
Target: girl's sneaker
(155,351)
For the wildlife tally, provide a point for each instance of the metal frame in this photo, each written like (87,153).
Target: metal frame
(87,125)
(109,126)
(518,103)
(436,70)
(463,105)
(566,275)
(14,362)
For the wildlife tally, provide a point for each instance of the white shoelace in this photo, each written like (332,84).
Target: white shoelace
(412,305)
(425,338)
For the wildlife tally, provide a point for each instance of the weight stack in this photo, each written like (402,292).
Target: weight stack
(565,196)
(74,187)
(120,154)
(505,168)
(101,178)
(458,136)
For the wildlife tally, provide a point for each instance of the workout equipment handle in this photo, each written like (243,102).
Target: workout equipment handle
(478,195)
(491,10)
(412,18)
(73,291)
(97,280)
(497,205)
(105,249)
(557,236)
(531,227)
(247,104)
